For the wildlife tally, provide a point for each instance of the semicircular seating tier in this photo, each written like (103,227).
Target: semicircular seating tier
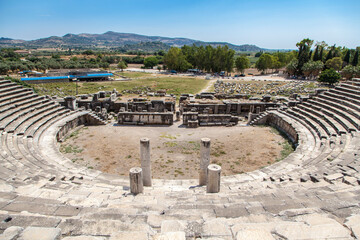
(313,193)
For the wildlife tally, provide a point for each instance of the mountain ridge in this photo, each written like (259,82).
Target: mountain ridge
(111,39)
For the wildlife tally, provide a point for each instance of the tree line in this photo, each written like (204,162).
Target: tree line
(10,61)
(208,58)
(325,59)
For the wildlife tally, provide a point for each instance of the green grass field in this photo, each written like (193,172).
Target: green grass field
(172,85)
(134,74)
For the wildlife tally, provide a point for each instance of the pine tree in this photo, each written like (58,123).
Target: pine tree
(321,55)
(355,61)
(347,57)
(329,55)
(316,54)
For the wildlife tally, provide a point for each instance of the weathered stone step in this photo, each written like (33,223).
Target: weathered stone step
(14,117)
(14,92)
(350,86)
(9,89)
(329,128)
(350,95)
(340,104)
(355,92)
(18,95)
(30,132)
(333,118)
(14,109)
(36,111)
(4,81)
(12,102)
(347,121)
(317,128)
(343,97)
(34,119)
(6,85)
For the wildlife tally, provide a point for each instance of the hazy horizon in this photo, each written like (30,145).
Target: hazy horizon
(273,25)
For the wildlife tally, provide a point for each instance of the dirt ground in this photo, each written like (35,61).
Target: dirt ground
(175,150)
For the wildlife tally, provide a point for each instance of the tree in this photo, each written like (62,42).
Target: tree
(347,57)
(229,58)
(312,69)
(159,68)
(88,52)
(291,67)
(242,63)
(355,61)
(348,72)
(316,54)
(335,63)
(357,72)
(276,64)
(321,54)
(258,54)
(4,68)
(150,62)
(304,54)
(329,76)
(175,60)
(264,62)
(122,65)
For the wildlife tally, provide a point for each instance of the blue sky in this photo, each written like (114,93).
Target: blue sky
(266,23)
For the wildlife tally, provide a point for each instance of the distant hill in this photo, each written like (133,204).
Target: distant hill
(114,39)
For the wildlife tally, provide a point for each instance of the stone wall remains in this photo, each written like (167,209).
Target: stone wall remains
(146,118)
(283,126)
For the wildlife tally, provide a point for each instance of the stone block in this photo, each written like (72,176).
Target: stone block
(67,211)
(350,180)
(254,234)
(231,212)
(171,236)
(40,233)
(129,236)
(11,233)
(333,177)
(216,228)
(353,223)
(84,237)
(172,226)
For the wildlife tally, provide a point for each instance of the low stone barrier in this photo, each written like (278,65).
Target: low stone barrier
(146,118)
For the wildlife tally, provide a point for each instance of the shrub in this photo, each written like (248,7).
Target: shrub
(329,76)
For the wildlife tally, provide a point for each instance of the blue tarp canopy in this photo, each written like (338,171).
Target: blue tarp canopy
(44,78)
(89,75)
(93,75)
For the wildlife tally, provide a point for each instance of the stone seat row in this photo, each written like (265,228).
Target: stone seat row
(338,108)
(14,93)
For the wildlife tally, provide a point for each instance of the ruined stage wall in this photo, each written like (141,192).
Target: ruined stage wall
(146,118)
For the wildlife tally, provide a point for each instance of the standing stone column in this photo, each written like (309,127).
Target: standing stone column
(204,160)
(145,161)
(238,109)
(258,110)
(177,115)
(228,108)
(216,110)
(136,180)
(181,108)
(213,178)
